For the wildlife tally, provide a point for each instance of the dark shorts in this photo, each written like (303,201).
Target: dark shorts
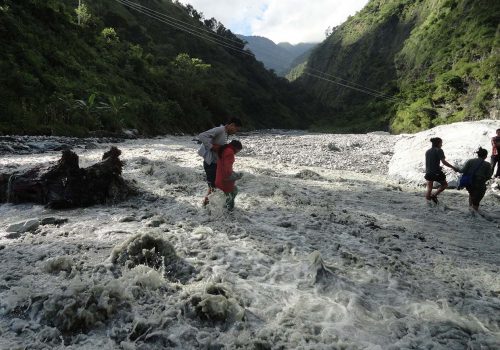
(476,194)
(210,171)
(438,177)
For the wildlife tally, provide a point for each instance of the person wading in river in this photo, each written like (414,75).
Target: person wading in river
(211,141)
(433,171)
(481,172)
(226,177)
(495,153)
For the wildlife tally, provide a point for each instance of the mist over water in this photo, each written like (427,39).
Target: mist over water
(323,251)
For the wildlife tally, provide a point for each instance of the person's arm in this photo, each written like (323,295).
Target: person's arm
(206,138)
(449,165)
(465,168)
(235,176)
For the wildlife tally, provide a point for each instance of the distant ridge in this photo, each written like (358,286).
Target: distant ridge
(279,57)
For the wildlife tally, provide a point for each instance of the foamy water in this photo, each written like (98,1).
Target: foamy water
(323,251)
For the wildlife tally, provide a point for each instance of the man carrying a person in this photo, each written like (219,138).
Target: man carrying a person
(211,141)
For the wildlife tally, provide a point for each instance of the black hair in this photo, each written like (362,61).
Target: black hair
(436,141)
(235,121)
(482,153)
(235,143)
(498,130)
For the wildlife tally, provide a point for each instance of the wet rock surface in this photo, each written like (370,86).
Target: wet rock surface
(43,144)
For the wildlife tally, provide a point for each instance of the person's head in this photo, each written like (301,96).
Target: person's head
(498,132)
(482,153)
(233,126)
(235,144)
(436,142)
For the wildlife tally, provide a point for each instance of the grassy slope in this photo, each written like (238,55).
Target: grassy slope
(50,62)
(438,57)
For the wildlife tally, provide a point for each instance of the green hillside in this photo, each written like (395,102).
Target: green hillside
(119,69)
(438,60)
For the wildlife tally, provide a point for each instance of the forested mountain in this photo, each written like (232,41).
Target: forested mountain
(113,67)
(435,61)
(297,49)
(278,57)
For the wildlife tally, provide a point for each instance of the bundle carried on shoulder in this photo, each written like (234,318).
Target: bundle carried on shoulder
(466,179)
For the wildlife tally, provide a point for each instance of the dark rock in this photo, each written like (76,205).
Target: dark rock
(127,219)
(21,227)
(53,221)
(373,226)
(66,185)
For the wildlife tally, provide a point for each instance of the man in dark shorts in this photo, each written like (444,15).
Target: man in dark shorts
(433,171)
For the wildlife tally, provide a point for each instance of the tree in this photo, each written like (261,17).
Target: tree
(89,110)
(109,35)
(83,13)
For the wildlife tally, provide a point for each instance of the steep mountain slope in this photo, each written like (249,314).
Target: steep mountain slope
(265,50)
(278,57)
(121,68)
(298,65)
(439,59)
(297,49)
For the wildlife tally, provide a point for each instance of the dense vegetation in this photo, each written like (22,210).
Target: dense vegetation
(438,58)
(118,68)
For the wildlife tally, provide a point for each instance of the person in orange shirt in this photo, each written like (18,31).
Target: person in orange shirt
(225,177)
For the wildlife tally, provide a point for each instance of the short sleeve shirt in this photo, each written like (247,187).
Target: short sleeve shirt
(483,171)
(433,159)
(495,141)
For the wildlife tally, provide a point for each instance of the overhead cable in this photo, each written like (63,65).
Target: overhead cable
(180,22)
(347,81)
(183,28)
(193,30)
(392,99)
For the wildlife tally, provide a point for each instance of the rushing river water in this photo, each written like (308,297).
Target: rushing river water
(323,251)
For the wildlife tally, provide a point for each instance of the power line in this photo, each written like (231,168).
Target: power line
(392,99)
(180,22)
(185,27)
(350,82)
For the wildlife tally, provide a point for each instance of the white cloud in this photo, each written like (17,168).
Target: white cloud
(279,20)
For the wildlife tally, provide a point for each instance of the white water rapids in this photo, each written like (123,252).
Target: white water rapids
(323,251)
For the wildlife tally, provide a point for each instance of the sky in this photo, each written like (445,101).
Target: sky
(290,21)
